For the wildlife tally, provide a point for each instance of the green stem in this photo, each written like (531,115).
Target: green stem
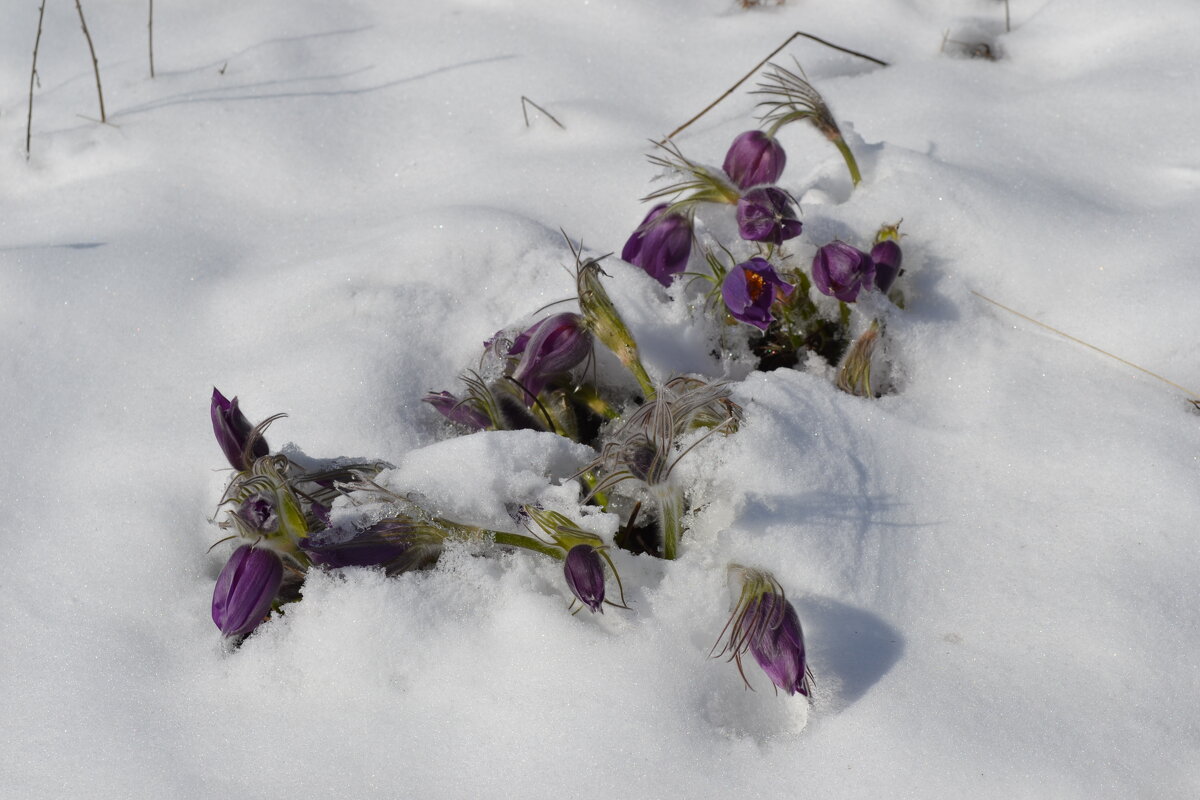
(527,543)
(590,480)
(851,164)
(670,506)
(634,365)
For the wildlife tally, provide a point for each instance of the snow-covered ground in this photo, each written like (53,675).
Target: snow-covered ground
(324,208)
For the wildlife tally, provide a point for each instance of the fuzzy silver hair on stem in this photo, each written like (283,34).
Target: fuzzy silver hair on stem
(791,98)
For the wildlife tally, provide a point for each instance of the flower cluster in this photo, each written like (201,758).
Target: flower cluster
(288,515)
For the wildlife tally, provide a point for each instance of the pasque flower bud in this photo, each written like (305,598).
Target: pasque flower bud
(661,245)
(549,348)
(842,271)
(584,571)
(754,159)
(245,589)
(240,443)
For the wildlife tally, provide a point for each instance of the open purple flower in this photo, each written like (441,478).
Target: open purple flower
(749,290)
(239,440)
(766,215)
(661,245)
(887,257)
(549,348)
(842,271)
(463,412)
(584,571)
(754,159)
(245,589)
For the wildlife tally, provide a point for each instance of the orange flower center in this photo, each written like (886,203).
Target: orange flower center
(755,284)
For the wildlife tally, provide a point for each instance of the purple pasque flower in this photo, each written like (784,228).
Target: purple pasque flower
(766,215)
(842,271)
(764,623)
(464,412)
(749,290)
(754,159)
(661,245)
(777,642)
(549,348)
(245,589)
(397,544)
(239,440)
(584,571)
(886,256)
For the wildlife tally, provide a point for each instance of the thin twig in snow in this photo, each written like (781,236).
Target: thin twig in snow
(95,63)
(32,77)
(524,111)
(1068,336)
(150,28)
(759,66)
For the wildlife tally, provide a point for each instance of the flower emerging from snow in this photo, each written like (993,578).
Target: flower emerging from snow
(661,245)
(766,624)
(398,544)
(463,412)
(245,589)
(548,349)
(754,159)
(240,441)
(750,289)
(766,215)
(842,271)
(887,256)
(584,571)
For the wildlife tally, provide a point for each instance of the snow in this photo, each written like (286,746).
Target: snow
(326,208)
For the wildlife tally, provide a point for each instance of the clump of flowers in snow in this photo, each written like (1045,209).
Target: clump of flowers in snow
(739,227)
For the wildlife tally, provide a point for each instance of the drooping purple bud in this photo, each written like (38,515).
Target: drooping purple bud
(661,245)
(887,258)
(584,571)
(765,215)
(387,543)
(245,589)
(749,290)
(755,159)
(234,433)
(842,271)
(554,346)
(777,642)
(461,411)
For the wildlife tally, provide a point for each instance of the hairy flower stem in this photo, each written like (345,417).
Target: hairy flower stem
(670,505)
(527,543)
(851,164)
(634,365)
